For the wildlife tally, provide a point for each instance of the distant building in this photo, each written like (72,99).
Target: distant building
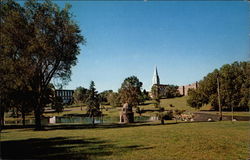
(156,82)
(184,89)
(163,88)
(67,95)
(156,78)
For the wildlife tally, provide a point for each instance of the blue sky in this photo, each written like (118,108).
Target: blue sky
(186,40)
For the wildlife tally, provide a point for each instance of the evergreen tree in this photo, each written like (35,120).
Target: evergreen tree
(92,102)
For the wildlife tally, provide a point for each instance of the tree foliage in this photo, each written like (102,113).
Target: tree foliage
(130,91)
(80,95)
(104,96)
(155,91)
(114,99)
(234,83)
(166,91)
(171,91)
(144,96)
(57,104)
(92,102)
(39,42)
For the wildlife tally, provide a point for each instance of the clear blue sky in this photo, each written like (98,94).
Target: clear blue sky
(186,40)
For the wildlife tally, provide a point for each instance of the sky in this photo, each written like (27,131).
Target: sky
(185,40)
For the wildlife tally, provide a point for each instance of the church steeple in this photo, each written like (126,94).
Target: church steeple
(156,79)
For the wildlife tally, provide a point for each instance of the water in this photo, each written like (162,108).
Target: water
(79,120)
(44,121)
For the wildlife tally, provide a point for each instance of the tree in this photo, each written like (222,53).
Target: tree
(168,91)
(130,91)
(195,99)
(104,96)
(139,110)
(22,101)
(43,37)
(93,104)
(80,95)
(13,38)
(57,104)
(161,115)
(171,91)
(234,88)
(156,95)
(144,96)
(114,99)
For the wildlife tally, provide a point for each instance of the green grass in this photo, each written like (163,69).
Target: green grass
(208,140)
(178,103)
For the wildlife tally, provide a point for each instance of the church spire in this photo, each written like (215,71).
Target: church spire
(156,79)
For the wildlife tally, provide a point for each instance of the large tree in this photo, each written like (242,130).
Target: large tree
(130,91)
(14,69)
(43,37)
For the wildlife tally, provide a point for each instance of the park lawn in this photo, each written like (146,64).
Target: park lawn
(148,141)
(177,102)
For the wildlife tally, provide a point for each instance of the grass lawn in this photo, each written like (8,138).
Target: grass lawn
(207,140)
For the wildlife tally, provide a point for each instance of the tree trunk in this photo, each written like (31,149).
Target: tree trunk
(162,121)
(38,121)
(232,109)
(17,116)
(23,117)
(93,120)
(38,125)
(2,119)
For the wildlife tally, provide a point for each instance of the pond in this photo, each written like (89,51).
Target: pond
(79,120)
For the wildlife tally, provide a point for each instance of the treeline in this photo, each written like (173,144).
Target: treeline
(130,91)
(168,91)
(231,81)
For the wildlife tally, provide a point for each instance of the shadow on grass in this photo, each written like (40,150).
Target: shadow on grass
(88,126)
(146,103)
(96,126)
(52,148)
(104,126)
(61,148)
